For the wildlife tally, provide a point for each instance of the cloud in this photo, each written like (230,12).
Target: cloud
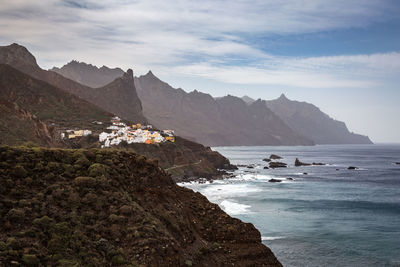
(205,39)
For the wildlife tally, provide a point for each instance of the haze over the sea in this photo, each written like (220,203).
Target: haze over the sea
(342,56)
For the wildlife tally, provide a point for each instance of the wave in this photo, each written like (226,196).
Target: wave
(269,238)
(234,208)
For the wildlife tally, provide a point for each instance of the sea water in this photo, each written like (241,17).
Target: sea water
(327,215)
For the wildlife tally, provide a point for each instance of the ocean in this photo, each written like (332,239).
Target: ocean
(327,215)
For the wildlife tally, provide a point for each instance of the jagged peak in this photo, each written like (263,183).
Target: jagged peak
(128,74)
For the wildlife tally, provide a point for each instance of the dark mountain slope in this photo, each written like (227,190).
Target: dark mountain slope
(87,74)
(310,121)
(214,122)
(32,110)
(112,208)
(118,97)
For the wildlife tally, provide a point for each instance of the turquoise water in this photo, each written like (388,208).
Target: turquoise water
(331,216)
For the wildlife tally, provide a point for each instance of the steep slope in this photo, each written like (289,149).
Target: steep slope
(87,74)
(214,122)
(248,99)
(119,97)
(310,121)
(112,208)
(32,110)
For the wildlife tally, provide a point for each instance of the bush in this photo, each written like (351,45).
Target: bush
(97,169)
(85,181)
(30,260)
(19,171)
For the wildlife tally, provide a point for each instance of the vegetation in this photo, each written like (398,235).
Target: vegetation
(64,207)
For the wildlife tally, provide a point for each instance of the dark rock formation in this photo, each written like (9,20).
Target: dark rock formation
(352,168)
(309,121)
(274,180)
(107,208)
(318,164)
(266,160)
(298,163)
(398,163)
(266,168)
(276,164)
(273,156)
(290,179)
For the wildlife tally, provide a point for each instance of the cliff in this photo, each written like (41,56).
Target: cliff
(112,208)
(308,120)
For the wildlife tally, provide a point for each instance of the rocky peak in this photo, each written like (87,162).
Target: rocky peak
(128,74)
(16,55)
(283,98)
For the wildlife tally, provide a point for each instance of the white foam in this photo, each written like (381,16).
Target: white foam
(234,208)
(267,238)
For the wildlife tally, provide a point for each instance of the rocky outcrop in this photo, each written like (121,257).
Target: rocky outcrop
(308,120)
(352,168)
(273,156)
(277,164)
(112,208)
(274,180)
(298,163)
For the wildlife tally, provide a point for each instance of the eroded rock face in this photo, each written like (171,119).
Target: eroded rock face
(298,163)
(103,207)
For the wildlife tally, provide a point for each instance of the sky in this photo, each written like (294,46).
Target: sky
(341,55)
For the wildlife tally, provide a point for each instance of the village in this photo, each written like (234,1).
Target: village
(119,132)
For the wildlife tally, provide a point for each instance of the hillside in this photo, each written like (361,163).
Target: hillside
(308,120)
(32,110)
(112,208)
(119,97)
(88,74)
(215,122)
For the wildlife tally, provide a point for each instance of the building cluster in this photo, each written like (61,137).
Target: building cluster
(120,132)
(70,134)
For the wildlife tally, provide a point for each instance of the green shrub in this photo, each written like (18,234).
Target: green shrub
(30,260)
(19,171)
(97,169)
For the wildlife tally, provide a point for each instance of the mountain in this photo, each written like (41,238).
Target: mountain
(118,97)
(87,74)
(308,120)
(215,122)
(112,208)
(33,110)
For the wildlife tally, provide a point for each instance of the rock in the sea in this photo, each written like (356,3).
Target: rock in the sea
(290,179)
(305,173)
(352,168)
(274,180)
(250,167)
(318,163)
(298,163)
(277,164)
(266,168)
(398,163)
(273,156)
(267,160)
